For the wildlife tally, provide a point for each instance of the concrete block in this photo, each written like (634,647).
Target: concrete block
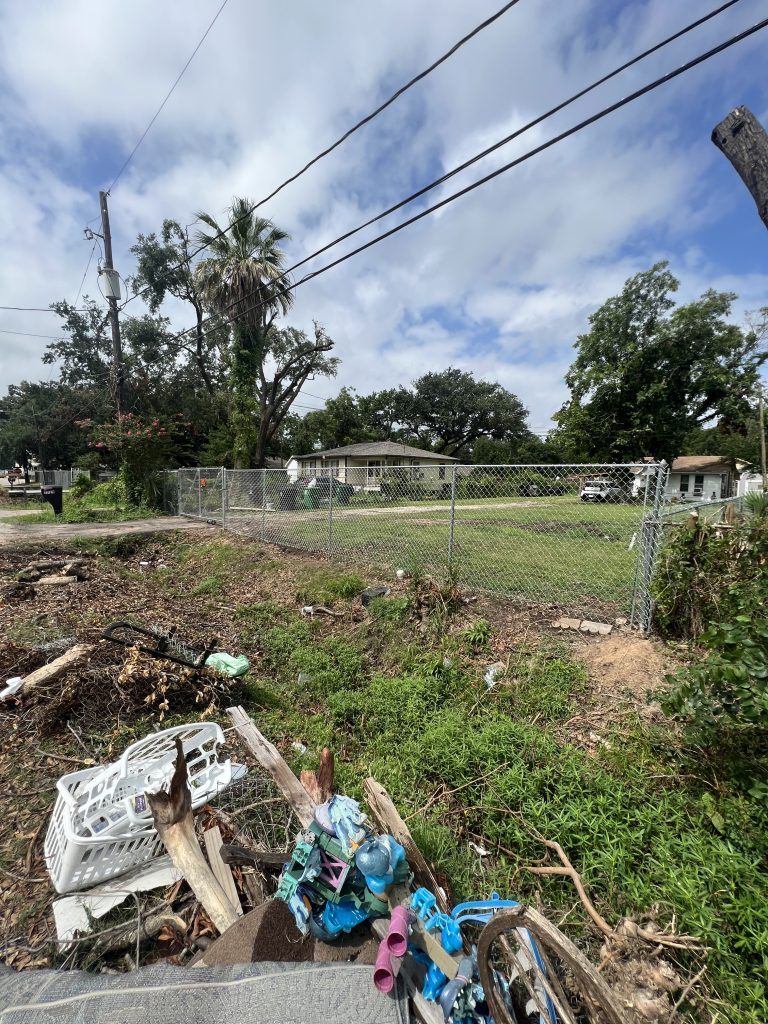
(565,623)
(599,628)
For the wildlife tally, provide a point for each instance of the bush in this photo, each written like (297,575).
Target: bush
(81,485)
(711,586)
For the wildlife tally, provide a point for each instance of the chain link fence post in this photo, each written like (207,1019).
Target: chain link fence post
(330,515)
(263,473)
(178,493)
(452,523)
(223,497)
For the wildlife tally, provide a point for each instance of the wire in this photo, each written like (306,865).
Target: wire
(85,272)
(488,177)
(39,309)
(25,334)
(342,138)
(167,97)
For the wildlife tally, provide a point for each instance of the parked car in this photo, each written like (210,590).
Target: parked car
(602,488)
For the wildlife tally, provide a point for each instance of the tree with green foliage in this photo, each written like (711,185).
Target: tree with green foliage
(164,267)
(450,411)
(243,279)
(648,373)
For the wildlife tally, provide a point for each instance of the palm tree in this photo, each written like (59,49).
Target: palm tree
(243,279)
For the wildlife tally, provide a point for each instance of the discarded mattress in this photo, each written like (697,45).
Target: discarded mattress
(263,993)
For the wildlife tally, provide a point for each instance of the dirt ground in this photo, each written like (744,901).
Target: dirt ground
(23,534)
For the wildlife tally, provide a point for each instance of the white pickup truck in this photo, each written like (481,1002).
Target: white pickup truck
(602,488)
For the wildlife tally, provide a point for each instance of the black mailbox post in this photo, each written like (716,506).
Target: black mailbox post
(54,496)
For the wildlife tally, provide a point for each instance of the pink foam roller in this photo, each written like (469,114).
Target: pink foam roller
(396,939)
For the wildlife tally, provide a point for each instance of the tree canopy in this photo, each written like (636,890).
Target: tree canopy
(648,374)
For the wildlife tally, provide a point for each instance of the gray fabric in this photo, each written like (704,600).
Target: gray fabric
(262,993)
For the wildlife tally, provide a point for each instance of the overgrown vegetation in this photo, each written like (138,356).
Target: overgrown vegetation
(711,588)
(657,828)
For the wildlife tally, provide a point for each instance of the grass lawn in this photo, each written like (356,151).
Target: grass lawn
(549,549)
(658,829)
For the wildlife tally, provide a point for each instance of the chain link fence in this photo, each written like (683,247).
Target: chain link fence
(584,538)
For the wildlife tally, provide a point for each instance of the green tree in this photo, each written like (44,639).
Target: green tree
(647,373)
(239,280)
(164,267)
(450,411)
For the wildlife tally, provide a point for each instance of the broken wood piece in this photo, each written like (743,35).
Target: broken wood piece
(46,565)
(327,611)
(55,581)
(270,758)
(150,928)
(239,856)
(73,568)
(75,656)
(172,814)
(319,784)
(387,817)
(213,845)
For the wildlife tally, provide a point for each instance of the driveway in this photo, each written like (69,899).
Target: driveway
(17,533)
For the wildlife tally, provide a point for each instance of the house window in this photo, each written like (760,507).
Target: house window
(684,478)
(698,485)
(332,466)
(374,469)
(441,473)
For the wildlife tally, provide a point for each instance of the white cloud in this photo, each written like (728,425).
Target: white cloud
(500,282)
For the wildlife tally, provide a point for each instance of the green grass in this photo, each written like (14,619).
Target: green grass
(323,585)
(636,819)
(545,549)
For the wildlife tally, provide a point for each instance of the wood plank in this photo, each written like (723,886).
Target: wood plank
(75,656)
(270,758)
(222,871)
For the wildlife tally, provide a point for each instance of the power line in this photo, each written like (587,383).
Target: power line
(351,131)
(167,97)
(493,174)
(25,334)
(85,272)
(39,309)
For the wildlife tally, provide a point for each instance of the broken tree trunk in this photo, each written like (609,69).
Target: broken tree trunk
(172,814)
(742,138)
(269,758)
(319,784)
(75,656)
(213,845)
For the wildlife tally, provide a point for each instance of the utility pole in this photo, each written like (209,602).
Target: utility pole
(762,439)
(112,293)
(744,141)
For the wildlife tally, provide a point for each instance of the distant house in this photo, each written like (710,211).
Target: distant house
(363,465)
(701,477)
(695,478)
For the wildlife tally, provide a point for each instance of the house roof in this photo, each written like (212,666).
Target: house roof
(373,448)
(700,464)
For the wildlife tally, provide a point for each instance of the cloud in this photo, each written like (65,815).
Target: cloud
(500,282)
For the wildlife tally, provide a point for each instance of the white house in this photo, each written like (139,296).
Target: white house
(363,465)
(694,478)
(748,483)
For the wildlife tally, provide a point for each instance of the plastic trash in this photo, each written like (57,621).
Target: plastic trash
(227,664)
(371,593)
(300,748)
(492,674)
(12,686)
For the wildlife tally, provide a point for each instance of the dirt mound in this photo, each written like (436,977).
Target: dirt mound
(622,662)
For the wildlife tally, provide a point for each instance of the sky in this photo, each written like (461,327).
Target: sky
(501,282)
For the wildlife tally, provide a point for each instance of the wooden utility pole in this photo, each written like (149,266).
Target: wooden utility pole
(117,351)
(744,141)
(762,439)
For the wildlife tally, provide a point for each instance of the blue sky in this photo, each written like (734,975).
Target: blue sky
(500,282)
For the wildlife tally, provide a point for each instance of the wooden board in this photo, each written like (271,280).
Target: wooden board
(222,871)
(270,758)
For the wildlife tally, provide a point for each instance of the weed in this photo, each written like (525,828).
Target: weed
(390,609)
(257,617)
(323,585)
(209,585)
(477,635)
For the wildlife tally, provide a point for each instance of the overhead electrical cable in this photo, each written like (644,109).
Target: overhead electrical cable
(580,126)
(342,138)
(167,97)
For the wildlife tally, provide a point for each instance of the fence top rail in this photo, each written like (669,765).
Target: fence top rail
(425,464)
(681,507)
